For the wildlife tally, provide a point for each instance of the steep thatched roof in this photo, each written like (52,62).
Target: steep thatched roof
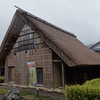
(65,44)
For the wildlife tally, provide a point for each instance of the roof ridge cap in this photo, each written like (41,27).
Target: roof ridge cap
(46,22)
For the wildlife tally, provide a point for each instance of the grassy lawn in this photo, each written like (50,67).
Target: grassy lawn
(31,96)
(3,91)
(28,95)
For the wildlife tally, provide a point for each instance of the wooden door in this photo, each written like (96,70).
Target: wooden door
(40,75)
(57,74)
(11,74)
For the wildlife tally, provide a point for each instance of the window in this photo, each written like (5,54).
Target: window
(28,39)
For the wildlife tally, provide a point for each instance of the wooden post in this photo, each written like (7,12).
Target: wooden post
(63,75)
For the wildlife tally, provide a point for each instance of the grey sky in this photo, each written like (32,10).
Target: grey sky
(80,17)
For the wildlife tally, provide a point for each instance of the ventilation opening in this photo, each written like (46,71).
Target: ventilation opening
(15,54)
(25,51)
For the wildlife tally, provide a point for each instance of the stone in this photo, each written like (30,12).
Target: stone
(12,95)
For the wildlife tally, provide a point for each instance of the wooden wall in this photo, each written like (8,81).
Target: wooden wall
(41,54)
(41,57)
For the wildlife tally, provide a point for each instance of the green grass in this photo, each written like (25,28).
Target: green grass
(25,93)
(31,96)
(3,91)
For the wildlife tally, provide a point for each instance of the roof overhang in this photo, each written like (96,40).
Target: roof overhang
(72,52)
(11,36)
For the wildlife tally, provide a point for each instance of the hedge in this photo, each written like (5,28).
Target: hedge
(88,91)
(2,79)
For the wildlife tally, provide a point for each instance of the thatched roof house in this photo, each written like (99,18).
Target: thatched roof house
(64,44)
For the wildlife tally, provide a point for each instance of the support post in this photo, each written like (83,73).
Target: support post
(63,75)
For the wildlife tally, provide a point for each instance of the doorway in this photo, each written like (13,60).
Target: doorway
(11,74)
(39,76)
(57,74)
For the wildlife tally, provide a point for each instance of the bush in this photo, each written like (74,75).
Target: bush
(93,83)
(88,91)
(2,79)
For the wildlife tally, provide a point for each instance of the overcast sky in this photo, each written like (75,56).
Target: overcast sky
(80,17)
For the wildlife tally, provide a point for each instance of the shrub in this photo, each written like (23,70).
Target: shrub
(89,91)
(2,79)
(93,83)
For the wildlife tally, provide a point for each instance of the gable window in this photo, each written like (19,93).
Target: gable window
(28,39)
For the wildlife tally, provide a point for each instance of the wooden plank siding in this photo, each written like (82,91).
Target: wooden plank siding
(41,54)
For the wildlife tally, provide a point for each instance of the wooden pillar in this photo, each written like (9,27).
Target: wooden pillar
(63,82)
